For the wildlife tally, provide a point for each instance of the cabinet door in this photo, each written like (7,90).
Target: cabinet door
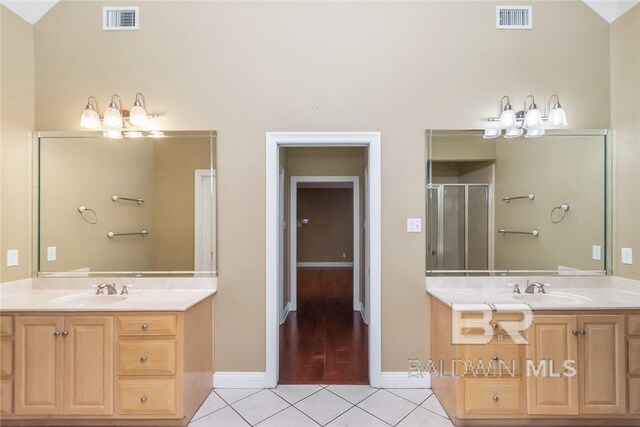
(88,365)
(551,343)
(38,365)
(601,370)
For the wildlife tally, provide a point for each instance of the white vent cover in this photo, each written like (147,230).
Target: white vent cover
(514,17)
(120,18)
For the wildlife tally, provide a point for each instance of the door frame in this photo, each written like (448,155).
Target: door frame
(200,176)
(370,140)
(293,234)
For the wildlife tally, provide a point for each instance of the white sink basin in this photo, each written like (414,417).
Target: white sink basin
(84,300)
(555,298)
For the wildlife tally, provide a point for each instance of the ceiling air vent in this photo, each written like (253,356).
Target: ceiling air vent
(120,18)
(514,17)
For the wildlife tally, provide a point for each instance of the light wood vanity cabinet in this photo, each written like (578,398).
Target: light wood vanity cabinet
(606,390)
(122,369)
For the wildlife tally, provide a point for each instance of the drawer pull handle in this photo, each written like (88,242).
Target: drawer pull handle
(495,398)
(143,359)
(57,333)
(494,358)
(143,399)
(145,326)
(65,333)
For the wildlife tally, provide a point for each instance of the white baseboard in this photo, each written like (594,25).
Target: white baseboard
(324,264)
(363,313)
(285,313)
(403,380)
(239,379)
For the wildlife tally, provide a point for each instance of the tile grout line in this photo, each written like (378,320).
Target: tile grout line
(433,412)
(410,412)
(306,415)
(297,401)
(356,405)
(421,402)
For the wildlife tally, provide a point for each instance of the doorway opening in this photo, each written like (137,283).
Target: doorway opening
(322,282)
(323,330)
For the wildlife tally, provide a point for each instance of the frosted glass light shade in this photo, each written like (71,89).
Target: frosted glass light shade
(557,118)
(90,119)
(507,119)
(535,131)
(113,134)
(112,118)
(533,118)
(514,132)
(138,116)
(492,133)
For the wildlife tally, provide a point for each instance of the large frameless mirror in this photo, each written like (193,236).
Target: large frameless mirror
(517,206)
(139,206)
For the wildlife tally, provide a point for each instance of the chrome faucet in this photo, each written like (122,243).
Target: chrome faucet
(111,289)
(531,287)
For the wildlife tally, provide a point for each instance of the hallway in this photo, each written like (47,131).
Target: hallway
(325,341)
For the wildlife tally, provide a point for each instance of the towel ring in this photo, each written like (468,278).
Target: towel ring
(563,208)
(83,211)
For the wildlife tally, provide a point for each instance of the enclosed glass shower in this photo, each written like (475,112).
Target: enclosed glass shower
(458,226)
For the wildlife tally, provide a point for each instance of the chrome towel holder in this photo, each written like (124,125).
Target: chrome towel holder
(534,233)
(142,233)
(115,198)
(563,208)
(529,196)
(83,211)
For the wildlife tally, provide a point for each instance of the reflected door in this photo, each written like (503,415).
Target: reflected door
(458,218)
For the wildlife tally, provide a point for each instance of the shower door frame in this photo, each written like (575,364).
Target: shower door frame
(490,223)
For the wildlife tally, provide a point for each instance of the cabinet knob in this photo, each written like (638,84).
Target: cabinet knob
(65,333)
(582,332)
(494,325)
(495,398)
(575,332)
(143,399)
(57,333)
(145,326)
(143,359)
(494,358)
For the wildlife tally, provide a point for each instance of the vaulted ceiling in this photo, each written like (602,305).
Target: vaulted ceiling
(32,10)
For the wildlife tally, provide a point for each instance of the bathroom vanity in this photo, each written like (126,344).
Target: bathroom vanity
(71,357)
(596,326)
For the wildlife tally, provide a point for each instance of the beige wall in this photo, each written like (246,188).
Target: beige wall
(16,124)
(174,201)
(625,120)
(328,237)
(557,169)
(246,68)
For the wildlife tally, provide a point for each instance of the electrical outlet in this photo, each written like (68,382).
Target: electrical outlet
(414,225)
(51,253)
(627,256)
(12,258)
(596,252)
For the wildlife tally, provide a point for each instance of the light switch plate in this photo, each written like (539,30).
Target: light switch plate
(627,256)
(596,252)
(51,253)
(414,225)
(12,258)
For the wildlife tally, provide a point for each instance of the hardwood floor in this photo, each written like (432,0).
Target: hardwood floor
(325,341)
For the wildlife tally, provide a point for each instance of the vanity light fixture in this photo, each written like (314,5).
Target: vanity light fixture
(115,118)
(529,119)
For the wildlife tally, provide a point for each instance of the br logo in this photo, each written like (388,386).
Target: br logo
(474,324)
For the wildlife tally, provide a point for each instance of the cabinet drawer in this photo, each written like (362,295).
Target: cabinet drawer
(147,396)
(6,357)
(634,395)
(147,325)
(500,396)
(634,325)
(146,357)
(501,360)
(634,356)
(6,397)
(6,326)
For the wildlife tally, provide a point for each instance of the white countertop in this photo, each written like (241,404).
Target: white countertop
(77,295)
(605,293)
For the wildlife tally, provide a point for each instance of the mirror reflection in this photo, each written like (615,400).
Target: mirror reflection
(132,206)
(516,205)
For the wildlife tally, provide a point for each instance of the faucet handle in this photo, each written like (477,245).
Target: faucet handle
(125,289)
(515,286)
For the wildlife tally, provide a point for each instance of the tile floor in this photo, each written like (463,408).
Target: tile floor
(319,405)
